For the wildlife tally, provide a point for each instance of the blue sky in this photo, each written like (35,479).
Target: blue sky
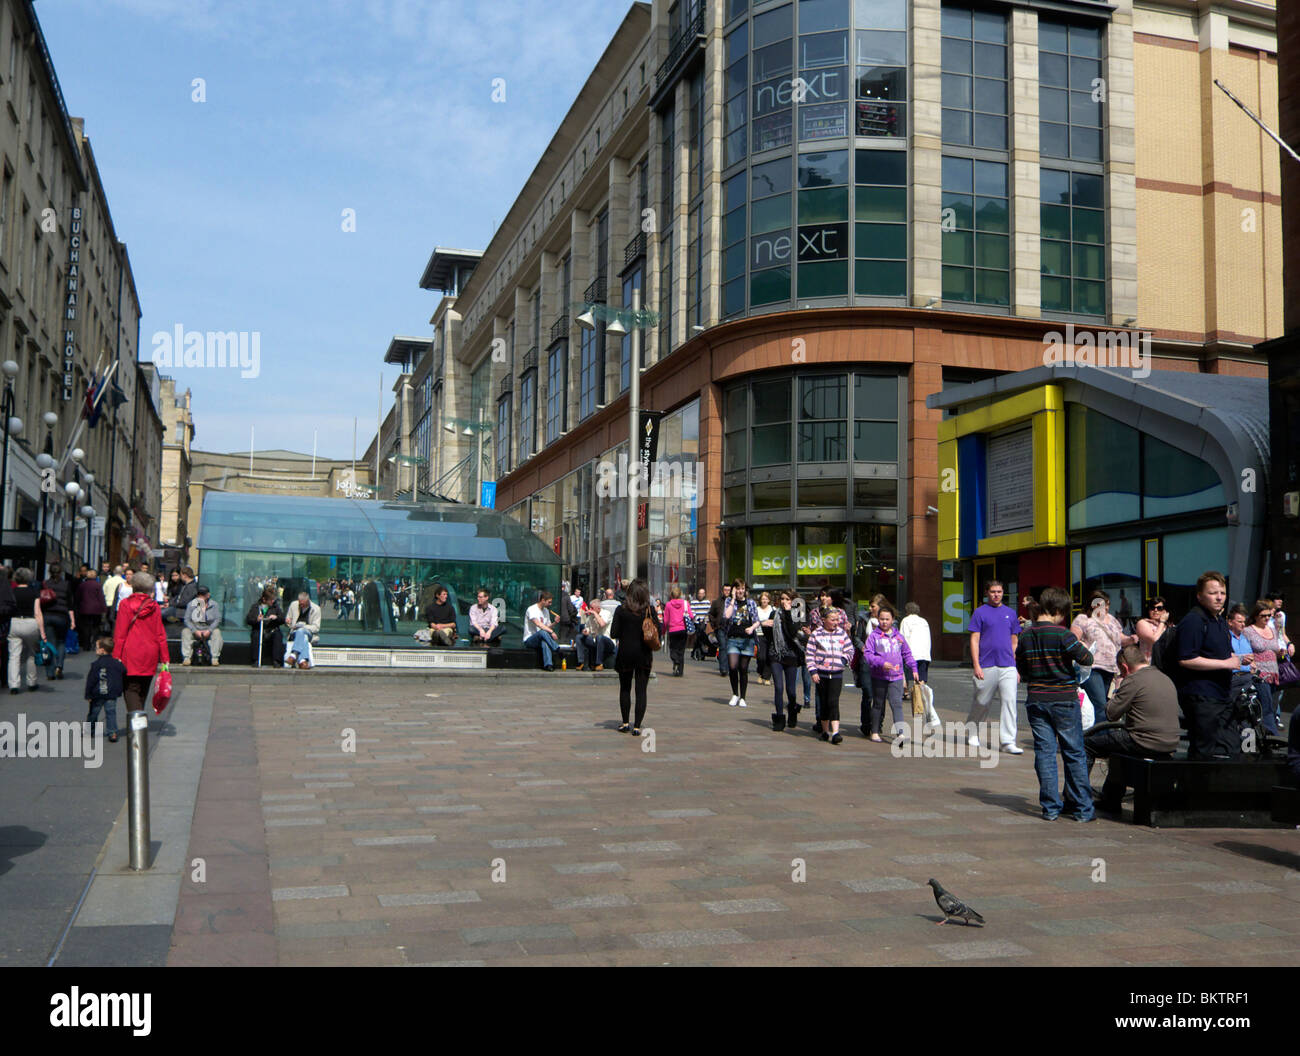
(232,208)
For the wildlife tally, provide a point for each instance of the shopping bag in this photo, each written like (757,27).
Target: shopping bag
(162,691)
(1287,675)
(71,643)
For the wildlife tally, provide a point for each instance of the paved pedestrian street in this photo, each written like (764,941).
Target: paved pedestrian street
(504,821)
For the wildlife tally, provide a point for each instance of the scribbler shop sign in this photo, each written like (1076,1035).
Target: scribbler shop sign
(814,560)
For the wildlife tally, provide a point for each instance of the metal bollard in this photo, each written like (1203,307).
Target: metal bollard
(137,789)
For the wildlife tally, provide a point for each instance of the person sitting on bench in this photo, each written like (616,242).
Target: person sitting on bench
(1147,702)
(303,621)
(484,626)
(441,618)
(202,621)
(537,630)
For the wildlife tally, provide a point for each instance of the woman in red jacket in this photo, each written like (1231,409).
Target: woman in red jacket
(139,640)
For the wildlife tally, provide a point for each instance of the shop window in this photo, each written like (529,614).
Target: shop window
(1102,469)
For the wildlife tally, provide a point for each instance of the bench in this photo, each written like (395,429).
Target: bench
(1182,793)
(1286,805)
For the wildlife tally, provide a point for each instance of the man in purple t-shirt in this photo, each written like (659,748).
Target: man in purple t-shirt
(994,632)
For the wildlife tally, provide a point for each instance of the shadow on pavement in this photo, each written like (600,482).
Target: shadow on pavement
(1261,853)
(1015,804)
(15,841)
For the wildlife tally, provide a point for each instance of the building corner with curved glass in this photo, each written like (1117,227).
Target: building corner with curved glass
(831,212)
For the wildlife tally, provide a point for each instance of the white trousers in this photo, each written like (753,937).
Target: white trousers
(999,682)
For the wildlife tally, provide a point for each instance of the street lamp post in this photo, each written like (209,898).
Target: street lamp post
(12,425)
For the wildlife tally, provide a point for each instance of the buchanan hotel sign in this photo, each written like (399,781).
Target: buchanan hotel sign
(70,303)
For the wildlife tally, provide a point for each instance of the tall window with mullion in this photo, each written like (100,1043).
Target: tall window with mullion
(823,418)
(590,374)
(875,418)
(667,182)
(503,436)
(880,45)
(1073,218)
(770,240)
(557,391)
(733,244)
(823,232)
(1071,93)
(825,84)
(735,118)
(976,232)
(880,211)
(772,78)
(631,284)
(974,78)
(527,414)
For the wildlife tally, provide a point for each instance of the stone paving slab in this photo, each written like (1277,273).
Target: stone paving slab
(441,841)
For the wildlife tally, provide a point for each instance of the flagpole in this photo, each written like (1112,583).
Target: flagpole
(314,434)
(252,430)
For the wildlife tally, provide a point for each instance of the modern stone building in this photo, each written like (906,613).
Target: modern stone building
(833,210)
(68,310)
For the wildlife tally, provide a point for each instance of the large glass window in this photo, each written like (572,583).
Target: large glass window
(770,241)
(976,229)
(881,61)
(1073,222)
(880,269)
(1102,466)
(974,78)
(875,418)
(773,56)
(823,69)
(1071,93)
(823,428)
(733,245)
(823,232)
(770,439)
(1175,482)
(735,117)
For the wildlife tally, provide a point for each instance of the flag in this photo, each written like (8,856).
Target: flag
(101,386)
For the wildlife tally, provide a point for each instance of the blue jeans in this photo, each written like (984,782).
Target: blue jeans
(300,643)
(807,686)
(1053,725)
(56,633)
(785,679)
(109,707)
(722,654)
(544,642)
(1271,711)
(598,644)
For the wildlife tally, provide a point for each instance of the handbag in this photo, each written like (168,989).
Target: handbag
(1287,673)
(71,644)
(45,654)
(162,691)
(650,632)
(47,596)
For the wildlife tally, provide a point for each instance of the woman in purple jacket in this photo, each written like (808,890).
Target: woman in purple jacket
(884,655)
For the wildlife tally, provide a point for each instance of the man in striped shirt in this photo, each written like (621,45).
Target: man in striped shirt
(700,614)
(1045,657)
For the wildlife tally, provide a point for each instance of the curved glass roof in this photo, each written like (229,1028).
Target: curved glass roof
(366,528)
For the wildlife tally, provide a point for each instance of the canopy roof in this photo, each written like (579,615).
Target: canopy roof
(366,528)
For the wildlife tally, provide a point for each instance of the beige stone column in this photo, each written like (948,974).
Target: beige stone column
(926,151)
(1024,176)
(1121,170)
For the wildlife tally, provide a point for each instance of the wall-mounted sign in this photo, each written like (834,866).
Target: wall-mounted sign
(70,302)
(1010,474)
(813,559)
(823,242)
(823,86)
(956,613)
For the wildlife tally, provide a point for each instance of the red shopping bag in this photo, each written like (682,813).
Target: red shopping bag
(162,692)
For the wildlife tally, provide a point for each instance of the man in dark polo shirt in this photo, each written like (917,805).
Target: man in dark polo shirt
(1207,663)
(1147,703)
(441,618)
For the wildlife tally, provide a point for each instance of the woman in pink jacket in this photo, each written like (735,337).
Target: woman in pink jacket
(884,655)
(675,620)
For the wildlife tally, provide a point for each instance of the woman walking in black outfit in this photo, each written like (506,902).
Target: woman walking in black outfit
(634,655)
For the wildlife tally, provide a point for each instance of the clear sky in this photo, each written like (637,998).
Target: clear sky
(232,208)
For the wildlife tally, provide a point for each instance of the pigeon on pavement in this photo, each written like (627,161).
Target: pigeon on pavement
(953,907)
